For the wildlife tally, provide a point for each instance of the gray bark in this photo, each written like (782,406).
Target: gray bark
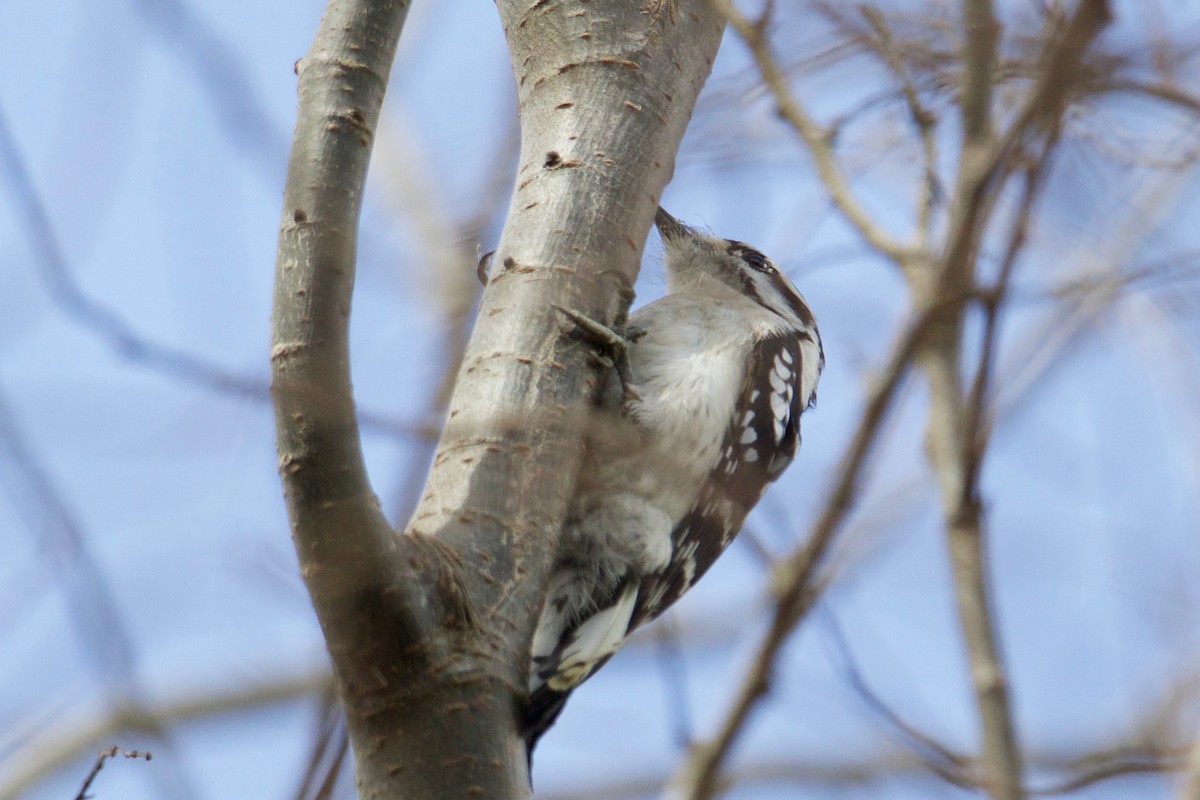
(429,630)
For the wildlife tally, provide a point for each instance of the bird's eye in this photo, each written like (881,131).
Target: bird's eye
(751,257)
(756,260)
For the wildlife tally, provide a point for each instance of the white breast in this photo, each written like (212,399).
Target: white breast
(688,367)
(688,370)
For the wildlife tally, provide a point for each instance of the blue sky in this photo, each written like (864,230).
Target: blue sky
(151,139)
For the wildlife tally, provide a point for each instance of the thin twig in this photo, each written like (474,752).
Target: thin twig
(447,253)
(1118,763)
(673,669)
(947,764)
(94,610)
(804,778)
(111,752)
(50,750)
(976,426)
(112,328)
(1088,297)
(1059,70)
(954,436)
(329,751)
(1167,92)
(922,119)
(221,73)
(816,139)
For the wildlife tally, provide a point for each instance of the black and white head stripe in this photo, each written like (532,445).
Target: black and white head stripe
(736,264)
(767,285)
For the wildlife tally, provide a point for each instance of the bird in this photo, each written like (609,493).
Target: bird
(702,416)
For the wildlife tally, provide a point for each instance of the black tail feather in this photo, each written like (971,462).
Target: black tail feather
(545,704)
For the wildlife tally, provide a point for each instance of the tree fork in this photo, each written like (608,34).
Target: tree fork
(429,630)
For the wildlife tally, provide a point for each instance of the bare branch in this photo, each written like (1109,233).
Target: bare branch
(328,754)
(865,773)
(1059,71)
(1170,93)
(981,35)
(818,143)
(1191,783)
(361,577)
(954,438)
(429,631)
(1115,763)
(111,752)
(922,118)
(52,749)
(977,428)
(951,766)
(122,337)
(1082,301)
(445,258)
(101,628)
(447,244)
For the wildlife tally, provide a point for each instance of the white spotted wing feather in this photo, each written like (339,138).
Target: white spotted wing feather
(758,446)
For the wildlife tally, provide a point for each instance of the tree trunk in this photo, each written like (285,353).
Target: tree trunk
(429,630)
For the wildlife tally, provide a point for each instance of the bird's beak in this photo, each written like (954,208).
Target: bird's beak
(669,227)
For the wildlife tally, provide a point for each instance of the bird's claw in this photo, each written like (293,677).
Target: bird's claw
(612,350)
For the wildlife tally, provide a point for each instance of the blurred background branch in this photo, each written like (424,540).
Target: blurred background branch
(142,528)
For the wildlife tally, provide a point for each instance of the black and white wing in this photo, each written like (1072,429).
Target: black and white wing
(760,442)
(762,439)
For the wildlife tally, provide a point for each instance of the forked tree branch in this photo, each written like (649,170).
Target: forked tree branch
(955,432)
(429,631)
(376,602)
